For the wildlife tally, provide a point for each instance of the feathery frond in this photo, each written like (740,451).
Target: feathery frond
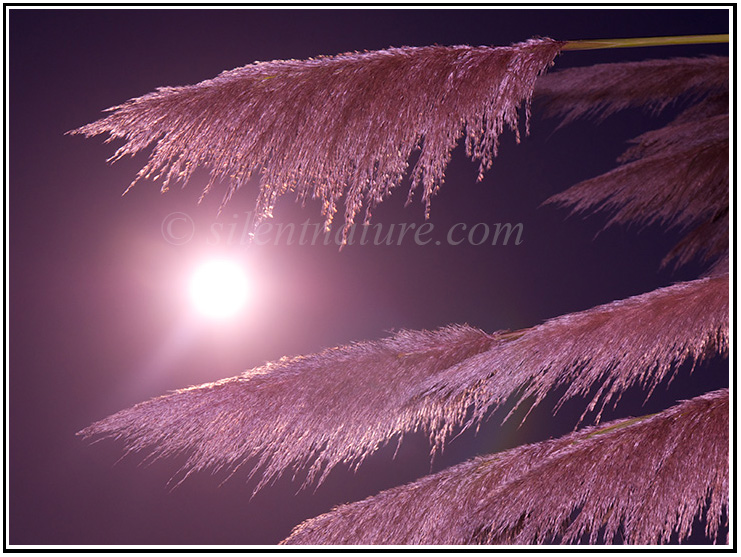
(342,404)
(604,89)
(636,341)
(337,125)
(676,175)
(644,479)
(323,409)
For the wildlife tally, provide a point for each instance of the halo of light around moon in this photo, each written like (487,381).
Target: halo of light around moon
(218,288)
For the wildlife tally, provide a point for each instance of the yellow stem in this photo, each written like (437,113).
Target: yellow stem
(644,41)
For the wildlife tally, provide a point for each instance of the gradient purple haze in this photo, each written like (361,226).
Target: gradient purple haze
(97,320)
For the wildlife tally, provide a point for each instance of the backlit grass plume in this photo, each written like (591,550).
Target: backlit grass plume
(638,481)
(604,89)
(342,404)
(347,125)
(676,175)
(334,126)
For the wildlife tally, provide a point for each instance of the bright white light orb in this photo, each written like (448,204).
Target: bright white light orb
(218,288)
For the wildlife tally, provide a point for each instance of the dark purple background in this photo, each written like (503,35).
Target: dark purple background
(97,309)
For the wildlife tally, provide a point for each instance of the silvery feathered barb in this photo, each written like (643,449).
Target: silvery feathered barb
(342,404)
(645,479)
(334,126)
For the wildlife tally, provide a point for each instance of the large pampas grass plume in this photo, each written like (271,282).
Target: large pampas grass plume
(639,480)
(346,126)
(677,175)
(340,405)
(333,126)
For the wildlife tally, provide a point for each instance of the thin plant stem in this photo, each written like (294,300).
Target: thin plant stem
(594,44)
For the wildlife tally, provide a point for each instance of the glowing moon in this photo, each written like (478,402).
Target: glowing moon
(218,289)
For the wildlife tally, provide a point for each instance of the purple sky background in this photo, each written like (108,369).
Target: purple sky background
(99,319)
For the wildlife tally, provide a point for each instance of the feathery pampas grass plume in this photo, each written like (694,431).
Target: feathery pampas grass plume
(676,175)
(342,404)
(347,125)
(337,125)
(604,89)
(636,341)
(641,479)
